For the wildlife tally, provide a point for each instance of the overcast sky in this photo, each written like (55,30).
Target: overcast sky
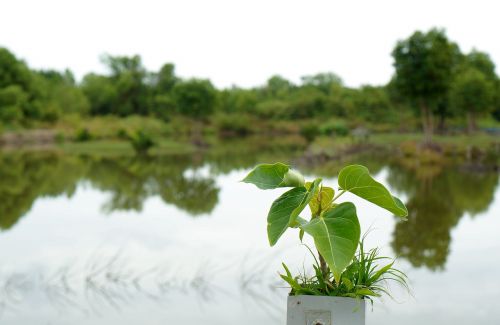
(240,42)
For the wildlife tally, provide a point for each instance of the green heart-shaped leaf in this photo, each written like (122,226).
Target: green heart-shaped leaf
(286,209)
(270,176)
(336,235)
(357,180)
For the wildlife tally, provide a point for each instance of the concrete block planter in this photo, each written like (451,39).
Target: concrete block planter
(317,310)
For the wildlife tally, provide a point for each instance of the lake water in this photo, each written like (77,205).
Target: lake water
(177,239)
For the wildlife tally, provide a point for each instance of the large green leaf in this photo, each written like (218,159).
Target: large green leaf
(286,209)
(336,235)
(270,176)
(357,180)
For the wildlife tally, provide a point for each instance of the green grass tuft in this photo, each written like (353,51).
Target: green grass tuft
(367,277)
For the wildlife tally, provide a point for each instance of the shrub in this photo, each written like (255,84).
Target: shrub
(309,132)
(122,134)
(141,142)
(277,109)
(335,128)
(83,135)
(239,125)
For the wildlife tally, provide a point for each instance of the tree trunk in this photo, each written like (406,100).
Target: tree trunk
(471,123)
(442,124)
(197,134)
(430,118)
(427,122)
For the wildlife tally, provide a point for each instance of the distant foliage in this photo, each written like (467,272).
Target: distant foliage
(141,141)
(13,103)
(429,70)
(195,98)
(424,65)
(233,124)
(83,135)
(473,94)
(309,132)
(334,128)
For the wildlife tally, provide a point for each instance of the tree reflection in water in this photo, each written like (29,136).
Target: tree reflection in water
(26,176)
(130,180)
(438,197)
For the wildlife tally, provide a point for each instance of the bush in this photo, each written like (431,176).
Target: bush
(272,109)
(335,128)
(83,135)
(59,137)
(13,100)
(122,134)
(195,98)
(309,132)
(141,142)
(239,125)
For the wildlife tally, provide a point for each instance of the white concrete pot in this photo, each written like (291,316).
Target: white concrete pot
(324,310)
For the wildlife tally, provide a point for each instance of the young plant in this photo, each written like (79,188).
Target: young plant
(333,226)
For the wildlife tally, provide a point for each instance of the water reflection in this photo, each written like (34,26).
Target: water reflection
(118,281)
(27,176)
(437,195)
(130,181)
(49,269)
(437,199)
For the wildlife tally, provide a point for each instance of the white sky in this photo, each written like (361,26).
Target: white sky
(240,42)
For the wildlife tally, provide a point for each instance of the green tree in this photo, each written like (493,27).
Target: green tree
(13,71)
(20,95)
(237,100)
(101,92)
(424,66)
(473,94)
(306,102)
(195,98)
(160,92)
(278,87)
(482,62)
(496,111)
(128,76)
(326,82)
(60,95)
(373,104)
(165,78)
(13,101)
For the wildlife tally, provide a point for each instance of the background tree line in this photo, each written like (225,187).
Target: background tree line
(433,80)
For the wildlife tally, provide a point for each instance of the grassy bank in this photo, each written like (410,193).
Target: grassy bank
(112,135)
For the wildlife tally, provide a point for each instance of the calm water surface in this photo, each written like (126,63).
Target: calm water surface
(178,240)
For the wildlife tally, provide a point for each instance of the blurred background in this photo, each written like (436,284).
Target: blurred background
(126,126)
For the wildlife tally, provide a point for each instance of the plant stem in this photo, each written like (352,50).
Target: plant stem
(338,195)
(324,267)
